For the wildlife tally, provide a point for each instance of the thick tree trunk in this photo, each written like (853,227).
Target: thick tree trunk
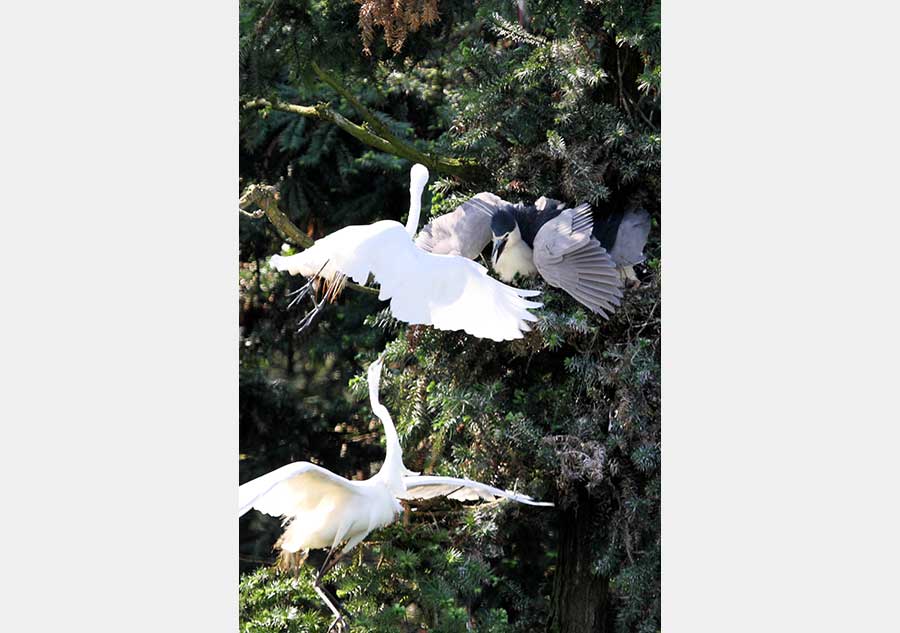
(580,602)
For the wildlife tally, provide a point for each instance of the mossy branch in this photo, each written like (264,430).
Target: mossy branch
(368,116)
(373,132)
(266,197)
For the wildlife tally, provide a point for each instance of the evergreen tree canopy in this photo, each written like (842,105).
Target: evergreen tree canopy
(338,98)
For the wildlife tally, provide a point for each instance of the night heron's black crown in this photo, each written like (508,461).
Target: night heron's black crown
(503,221)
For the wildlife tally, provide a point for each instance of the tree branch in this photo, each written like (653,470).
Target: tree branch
(266,196)
(464,168)
(367,115)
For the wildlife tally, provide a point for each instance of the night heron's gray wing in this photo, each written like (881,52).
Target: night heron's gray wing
(465,231)
(568,257)
(628,249)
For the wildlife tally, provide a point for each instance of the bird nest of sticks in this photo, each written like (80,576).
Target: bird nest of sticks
(579,461)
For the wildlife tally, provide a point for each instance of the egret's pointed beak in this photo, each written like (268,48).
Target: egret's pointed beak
(499,245)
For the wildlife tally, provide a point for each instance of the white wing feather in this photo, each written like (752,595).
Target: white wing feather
(445,291)
(429,486)
(291,489)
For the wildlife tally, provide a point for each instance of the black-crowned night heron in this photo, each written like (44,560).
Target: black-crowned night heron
(562,245)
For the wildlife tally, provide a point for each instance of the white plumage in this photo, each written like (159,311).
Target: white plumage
(324,510)
(446,291)
(430,486)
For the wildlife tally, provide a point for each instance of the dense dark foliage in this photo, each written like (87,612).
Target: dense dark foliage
(569,109)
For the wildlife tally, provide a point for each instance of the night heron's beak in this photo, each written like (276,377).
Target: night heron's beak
(499,245)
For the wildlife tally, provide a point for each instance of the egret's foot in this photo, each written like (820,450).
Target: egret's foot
(299,293)
(334,605)
(338,625)
(306,321)
(303,290)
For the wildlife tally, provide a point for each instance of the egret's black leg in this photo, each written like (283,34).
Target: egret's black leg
(299,293)
(302,292)
(327,597)
(306,321)
(333,599)
(339,620)
(325,567)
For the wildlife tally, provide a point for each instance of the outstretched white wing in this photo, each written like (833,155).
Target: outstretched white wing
(292,489)
(446,291)
(429,486)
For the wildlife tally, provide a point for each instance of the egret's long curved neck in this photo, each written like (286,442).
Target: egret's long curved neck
(392,470)
(418,178)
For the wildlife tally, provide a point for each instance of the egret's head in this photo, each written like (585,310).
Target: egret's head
(418,178)
(503,225)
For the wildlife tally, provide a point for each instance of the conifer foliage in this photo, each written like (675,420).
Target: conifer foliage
(568,107)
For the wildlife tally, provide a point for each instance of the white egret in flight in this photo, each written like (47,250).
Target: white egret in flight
(445,291)
(324,510)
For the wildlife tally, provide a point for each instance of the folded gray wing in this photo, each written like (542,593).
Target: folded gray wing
(628,249)
(430,486)
(465,231)
(568,257)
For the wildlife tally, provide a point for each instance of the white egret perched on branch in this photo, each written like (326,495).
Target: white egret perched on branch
(445,291)
(324,510)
